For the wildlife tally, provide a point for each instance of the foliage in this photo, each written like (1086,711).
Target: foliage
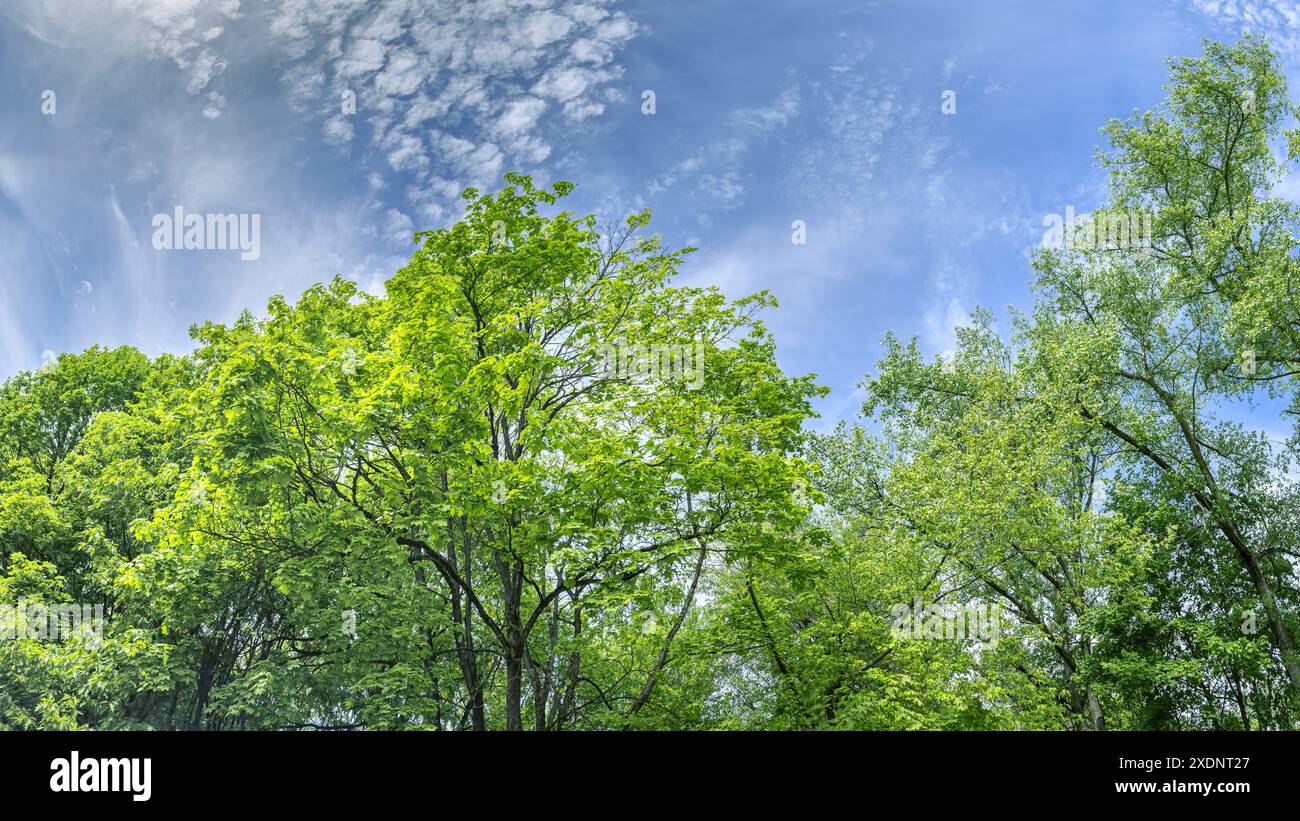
(442,508)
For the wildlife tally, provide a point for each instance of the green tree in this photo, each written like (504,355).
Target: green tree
(457,460)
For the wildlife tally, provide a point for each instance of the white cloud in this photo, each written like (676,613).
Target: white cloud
(491,72)
(564,83)
(398,227)
(206,66)
(769,118)
(483,74)
(404,73)
(363,57)
(545,28)
(181,31)
(338,130)
(520,117)
(216,102)
(717,169)
(942,319)
(1279,20)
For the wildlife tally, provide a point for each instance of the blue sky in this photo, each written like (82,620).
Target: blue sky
(765,113)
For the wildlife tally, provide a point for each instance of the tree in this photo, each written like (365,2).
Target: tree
(534,484)
(458,458)
(1173,330)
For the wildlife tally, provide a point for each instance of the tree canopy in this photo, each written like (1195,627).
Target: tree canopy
(538,485)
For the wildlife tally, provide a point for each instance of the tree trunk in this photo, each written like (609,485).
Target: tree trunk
(515,646)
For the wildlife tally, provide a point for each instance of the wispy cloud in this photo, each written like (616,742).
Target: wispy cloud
(451,93)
